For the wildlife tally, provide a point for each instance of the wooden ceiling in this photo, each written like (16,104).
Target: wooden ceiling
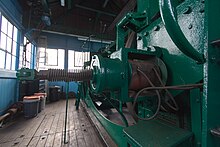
(78,17)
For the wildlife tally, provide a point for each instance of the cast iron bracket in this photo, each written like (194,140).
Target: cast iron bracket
(134,21)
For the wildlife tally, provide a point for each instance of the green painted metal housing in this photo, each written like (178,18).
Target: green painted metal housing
(108,74)
(26,74)
(185,36)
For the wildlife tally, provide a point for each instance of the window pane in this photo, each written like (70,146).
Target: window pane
(13,63)
(3,41)
(14,48)
(2,59)
(20,64)
(28,65)
(28,56)
(21,52)
(78,59)
(9,43)
(28,48)
(60,61)
(28,53)
(51,55)
(15,35)
(8,61)
(4,25)
(41,55)
(10,29)
(70,59)
(20,56)
(25,40)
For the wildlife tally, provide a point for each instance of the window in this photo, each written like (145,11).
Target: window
(76,59)
(8,44)
(50,58)
(28,60)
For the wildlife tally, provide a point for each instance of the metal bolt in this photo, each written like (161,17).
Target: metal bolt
(122,75)
(139,38)
(146,33)
(187,10)
(202,10)
(148,49)
(212,59)
(190,26)
(156,28)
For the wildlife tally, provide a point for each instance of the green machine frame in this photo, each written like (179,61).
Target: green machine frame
(184,34)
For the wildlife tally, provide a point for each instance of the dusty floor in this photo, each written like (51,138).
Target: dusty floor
(47,129)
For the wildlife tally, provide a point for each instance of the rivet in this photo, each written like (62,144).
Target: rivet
(148,49)
(139,38)
(146,33)
(156,28)
(202,10)
(190,26)
(202,1)
(212,60)
(187,10)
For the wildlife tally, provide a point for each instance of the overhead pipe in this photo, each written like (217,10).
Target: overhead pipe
(169,18)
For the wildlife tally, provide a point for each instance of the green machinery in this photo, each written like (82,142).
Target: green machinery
(163,89)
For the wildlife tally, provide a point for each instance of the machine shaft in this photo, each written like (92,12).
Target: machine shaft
(64,75)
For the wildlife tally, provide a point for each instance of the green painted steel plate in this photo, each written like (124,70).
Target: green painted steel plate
(155,133)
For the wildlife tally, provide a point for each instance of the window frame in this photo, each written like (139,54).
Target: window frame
(9,51)
(85,58)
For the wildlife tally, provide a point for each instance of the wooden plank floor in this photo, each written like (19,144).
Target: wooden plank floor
(47,129)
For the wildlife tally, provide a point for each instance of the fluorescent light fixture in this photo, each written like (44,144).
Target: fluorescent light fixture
(62,3)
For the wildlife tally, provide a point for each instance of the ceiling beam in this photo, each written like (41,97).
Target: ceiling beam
(94,10)
(105,4)
(127,8)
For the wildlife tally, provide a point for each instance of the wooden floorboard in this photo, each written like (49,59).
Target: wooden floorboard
(50,139)
(47,129)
